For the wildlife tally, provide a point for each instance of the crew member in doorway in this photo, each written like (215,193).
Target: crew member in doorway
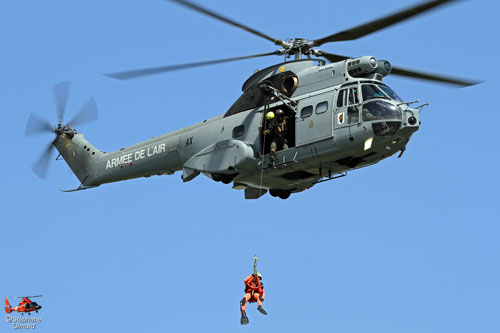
(277,129)
(254,292)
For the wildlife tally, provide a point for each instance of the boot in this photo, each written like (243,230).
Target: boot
(244,318)
(261,310)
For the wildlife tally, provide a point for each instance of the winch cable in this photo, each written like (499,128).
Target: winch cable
(264,126)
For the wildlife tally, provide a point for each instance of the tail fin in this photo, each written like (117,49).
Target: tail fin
(8,309)
(80,155)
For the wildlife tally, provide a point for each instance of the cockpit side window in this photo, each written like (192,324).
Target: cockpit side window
(353,109)
(353,114)
(353,96)
(341,98)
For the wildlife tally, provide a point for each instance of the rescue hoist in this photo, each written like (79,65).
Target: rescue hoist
(255,258)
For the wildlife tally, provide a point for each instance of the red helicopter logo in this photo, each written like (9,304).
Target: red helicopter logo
(26,305)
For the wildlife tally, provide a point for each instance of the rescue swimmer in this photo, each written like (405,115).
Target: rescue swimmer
(254,292)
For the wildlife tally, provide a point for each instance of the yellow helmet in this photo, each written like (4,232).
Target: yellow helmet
(270,115)
(259,275)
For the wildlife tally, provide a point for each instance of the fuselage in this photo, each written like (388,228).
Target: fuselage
(337,122)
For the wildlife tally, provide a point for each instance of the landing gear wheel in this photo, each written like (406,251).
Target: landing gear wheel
(274,193)
(284,195)
(226,179)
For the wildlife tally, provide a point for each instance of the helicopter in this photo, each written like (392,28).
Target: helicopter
(25,305)
(341,116)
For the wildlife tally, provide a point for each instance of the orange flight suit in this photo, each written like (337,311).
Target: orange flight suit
(254,291)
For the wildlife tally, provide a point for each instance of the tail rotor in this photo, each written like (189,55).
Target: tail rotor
(36,125)
(8,308)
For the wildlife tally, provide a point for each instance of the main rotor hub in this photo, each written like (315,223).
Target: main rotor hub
(298,47)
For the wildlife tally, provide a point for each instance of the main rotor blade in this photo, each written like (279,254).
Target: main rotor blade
(36,125)
(87,114)
(208,12)
(368,28)
(432,77)
(41,165)
(28,296)
(332,57)
(61,91)
(156,70)
(410,73)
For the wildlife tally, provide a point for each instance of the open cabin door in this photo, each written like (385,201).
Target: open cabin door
(290,133)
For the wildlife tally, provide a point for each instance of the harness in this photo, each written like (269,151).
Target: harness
(253,286)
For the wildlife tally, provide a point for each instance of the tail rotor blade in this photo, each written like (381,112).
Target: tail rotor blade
(36,125)
(61,91)
(88,113)
(41,165)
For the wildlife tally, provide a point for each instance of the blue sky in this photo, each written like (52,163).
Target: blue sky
(407,245)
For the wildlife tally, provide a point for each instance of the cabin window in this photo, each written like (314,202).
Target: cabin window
(238,131)
(322,107)
(306,112)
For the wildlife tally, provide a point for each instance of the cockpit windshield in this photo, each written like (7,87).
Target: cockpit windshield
(392,94)
(371,91)
(380,110)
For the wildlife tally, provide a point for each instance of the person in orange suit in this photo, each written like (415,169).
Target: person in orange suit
(254,292)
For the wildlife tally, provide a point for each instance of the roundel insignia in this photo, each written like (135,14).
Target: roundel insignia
(311,124)
(340,118)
